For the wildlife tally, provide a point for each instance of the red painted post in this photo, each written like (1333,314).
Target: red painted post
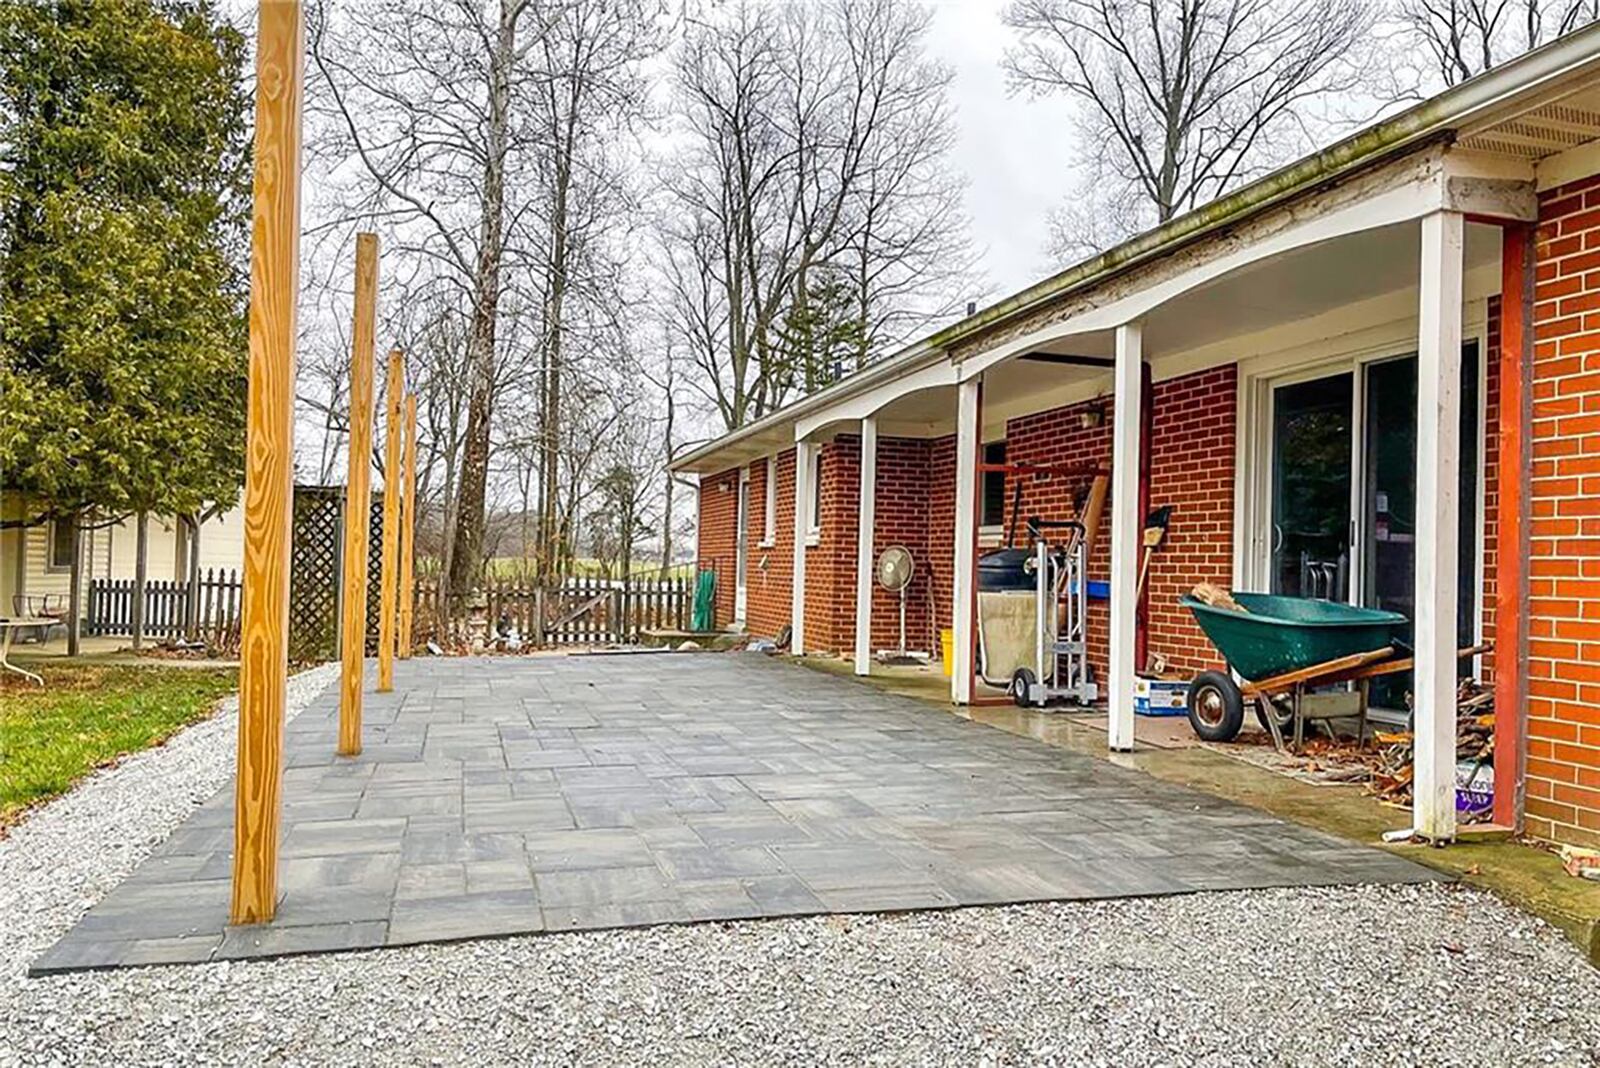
(1512,532)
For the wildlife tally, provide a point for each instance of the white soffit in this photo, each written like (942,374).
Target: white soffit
(1545,130)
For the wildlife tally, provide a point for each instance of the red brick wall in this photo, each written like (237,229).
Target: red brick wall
(717,535)
(1192,459)
(1564,570)
(941,536)
(1058,436)
(902,518)
(771,574)
(1192,467)
(830,561)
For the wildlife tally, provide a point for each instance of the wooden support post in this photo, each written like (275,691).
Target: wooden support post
(802,527)
(1126,532)
(1512,533)
(1437,530)
(269,460)
(357,499)
(964,594)
(866,520)
(408,530)
(393,490)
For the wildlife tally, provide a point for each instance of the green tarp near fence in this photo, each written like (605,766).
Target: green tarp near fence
(705,596)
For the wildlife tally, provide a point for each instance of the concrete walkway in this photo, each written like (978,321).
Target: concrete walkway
(512,796)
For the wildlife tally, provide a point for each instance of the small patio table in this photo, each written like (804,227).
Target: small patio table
(9,625)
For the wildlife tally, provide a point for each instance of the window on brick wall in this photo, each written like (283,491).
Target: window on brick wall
(994,487)
(769,522)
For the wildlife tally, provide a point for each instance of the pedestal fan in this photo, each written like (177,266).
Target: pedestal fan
(895,568)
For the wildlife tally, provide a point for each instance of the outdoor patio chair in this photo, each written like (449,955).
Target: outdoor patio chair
(51,606)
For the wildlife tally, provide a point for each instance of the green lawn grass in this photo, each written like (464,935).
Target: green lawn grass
(87,716)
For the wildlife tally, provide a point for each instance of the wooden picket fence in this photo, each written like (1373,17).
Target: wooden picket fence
(219,593)
(580,610)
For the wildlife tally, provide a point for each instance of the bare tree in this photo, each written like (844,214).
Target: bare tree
(420,99)
(590,95)
(1463,38)
(1179,100)
(811,137)
(481,139)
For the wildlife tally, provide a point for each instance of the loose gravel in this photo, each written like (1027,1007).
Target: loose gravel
(65,856)
(1375,975)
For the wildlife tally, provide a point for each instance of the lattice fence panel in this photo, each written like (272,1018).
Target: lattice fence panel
(314,573)
(374,570)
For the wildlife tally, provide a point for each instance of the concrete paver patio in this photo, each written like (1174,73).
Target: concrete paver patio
(513,796)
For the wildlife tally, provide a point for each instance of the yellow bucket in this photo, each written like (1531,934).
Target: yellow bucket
(947,647)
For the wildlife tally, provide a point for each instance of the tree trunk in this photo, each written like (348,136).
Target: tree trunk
(555,304)
(75,590)
(666,525)
(191,601)
(141,568)
(466,556)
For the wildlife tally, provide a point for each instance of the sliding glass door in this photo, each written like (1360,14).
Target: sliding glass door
(1311,446)
(1389,567)
(1342,520)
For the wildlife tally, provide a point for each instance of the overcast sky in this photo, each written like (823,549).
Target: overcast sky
(1013,150)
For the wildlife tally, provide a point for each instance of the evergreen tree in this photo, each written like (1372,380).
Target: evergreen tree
(124,198)
(822,336)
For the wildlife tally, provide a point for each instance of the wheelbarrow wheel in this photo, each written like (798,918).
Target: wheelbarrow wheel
(1022,681)
(1216,707)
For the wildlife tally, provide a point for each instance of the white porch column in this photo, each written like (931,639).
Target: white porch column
(1437,532)
(802,525)
(1126,524)
(962,593)
(867,518)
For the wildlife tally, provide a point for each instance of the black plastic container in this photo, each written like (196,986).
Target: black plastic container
(1005,569)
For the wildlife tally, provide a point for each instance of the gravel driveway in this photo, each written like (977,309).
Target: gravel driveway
(1382,975)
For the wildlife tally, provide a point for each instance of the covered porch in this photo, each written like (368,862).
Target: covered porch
(1325,392)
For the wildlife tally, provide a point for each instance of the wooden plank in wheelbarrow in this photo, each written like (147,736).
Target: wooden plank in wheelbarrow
(1389,667)
(1276,683)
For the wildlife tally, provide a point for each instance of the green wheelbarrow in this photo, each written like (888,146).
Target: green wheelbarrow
(1281,646)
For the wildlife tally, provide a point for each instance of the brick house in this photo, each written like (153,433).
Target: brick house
(1372,375)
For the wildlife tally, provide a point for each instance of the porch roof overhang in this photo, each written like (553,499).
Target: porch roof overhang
(1544,104)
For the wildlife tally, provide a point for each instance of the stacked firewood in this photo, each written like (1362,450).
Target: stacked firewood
(1395,765)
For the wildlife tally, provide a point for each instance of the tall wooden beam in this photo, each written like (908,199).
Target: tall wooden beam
(1437,524)
(1126,532)
(393,491)
(357,499)
(269,460)
(1514,443)
(408,529)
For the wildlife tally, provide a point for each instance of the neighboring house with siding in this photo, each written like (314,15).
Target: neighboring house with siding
(1374,374)
(36,561)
